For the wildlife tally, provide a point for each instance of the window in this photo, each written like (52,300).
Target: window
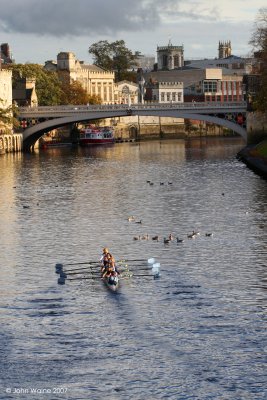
(210,86)
(165,60)
(110,92)
(173,96)
(105,93)
(162,96)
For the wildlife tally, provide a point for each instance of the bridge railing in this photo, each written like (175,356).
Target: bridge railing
(153,106)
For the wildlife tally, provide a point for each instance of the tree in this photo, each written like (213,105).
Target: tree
(114,56)
(259,43)
(52,89)
(8,117)
(48,85)
(73,93)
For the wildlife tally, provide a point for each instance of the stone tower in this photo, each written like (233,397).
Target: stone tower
(66,61)
(170,57)
(225,49)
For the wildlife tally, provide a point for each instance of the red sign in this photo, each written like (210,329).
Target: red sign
(240,119)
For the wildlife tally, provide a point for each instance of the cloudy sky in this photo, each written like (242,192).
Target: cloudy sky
(38,30)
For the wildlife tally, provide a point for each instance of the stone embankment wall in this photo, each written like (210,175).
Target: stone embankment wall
(11,143)
(167,130)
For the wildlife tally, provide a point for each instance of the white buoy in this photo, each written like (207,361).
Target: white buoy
(156,270)
(151,260)
(156,267)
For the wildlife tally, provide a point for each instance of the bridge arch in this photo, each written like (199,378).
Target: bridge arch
(213,115)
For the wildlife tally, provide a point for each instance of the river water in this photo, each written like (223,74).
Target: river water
(198,332)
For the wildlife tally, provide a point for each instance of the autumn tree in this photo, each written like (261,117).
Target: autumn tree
(259,43)
(74,93)
(114,56)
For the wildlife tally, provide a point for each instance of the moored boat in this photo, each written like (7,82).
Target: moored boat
(96,135)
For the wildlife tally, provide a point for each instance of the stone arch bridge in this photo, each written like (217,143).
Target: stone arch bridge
(37,121)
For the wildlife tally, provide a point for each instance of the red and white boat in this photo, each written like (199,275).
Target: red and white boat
(96,135)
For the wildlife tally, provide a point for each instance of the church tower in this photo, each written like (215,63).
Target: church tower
(225,49)
(170,57)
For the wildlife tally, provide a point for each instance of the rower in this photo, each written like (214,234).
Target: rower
(104,254)
(105,258)
(113,265)
(109,266)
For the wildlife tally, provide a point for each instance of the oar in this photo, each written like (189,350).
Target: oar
(65,273)
(149,261)
(155,276)
(155,272)
(80,263)
(61,280)
(60,268)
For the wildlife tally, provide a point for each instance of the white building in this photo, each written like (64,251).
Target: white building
(165,92)
(5,88)
(125,92)
(5,96)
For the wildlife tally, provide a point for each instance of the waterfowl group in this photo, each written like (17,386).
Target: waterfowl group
(168,238)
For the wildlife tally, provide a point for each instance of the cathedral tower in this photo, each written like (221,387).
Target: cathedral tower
(225,49)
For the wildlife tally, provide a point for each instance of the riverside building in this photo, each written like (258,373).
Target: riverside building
(95,80)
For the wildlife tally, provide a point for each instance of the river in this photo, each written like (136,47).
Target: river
(198,332)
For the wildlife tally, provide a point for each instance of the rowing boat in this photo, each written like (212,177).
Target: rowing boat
(91,271)
(112,282)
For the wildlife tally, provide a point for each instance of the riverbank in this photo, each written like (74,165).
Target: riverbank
(255,157)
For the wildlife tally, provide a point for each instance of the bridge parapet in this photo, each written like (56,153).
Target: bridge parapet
(56,111)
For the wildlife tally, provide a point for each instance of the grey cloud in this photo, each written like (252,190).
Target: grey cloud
(80,17)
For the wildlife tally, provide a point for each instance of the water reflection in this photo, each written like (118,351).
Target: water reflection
(199,329)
